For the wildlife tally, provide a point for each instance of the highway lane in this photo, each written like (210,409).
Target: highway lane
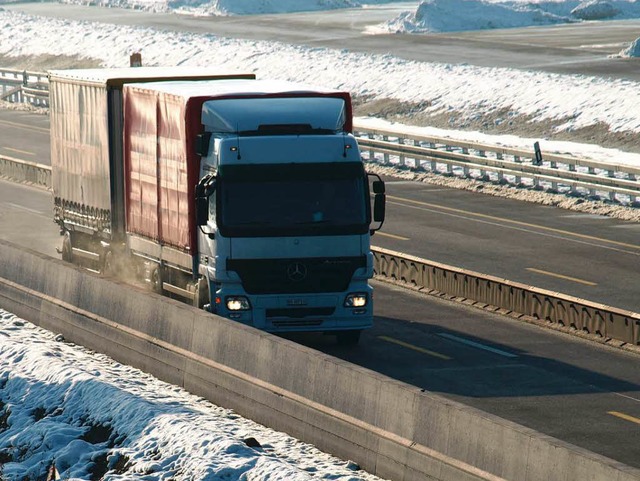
(572,389)
(588,256)
(573,48)
(25,135)
(591,257)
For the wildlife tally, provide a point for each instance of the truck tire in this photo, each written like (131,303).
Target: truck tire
(156,280)
(348,338)
(67,253)
(108,264)
(201,293)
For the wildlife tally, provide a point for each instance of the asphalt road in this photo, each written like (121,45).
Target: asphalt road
(573,48)
(587,256)
(568,388)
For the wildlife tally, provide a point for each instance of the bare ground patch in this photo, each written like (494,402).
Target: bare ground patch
(42,63)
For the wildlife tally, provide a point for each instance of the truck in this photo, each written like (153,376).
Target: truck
(245,197)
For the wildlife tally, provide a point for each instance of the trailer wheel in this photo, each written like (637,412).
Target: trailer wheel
(67,253)
(108,266)
(348,338)
(156,280)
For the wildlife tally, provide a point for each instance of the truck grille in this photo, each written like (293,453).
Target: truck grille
(296,276)
(300,312)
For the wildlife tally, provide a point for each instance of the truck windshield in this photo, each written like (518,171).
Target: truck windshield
(293,199)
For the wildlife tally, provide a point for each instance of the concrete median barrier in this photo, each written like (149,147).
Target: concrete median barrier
(392,429)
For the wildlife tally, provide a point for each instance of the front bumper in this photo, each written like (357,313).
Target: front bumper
(301,312)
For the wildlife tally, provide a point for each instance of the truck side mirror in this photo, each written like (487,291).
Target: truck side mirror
(379,201)
(205,189)
(379,208)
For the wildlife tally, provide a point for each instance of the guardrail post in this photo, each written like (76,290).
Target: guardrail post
(385,156)
(372,154)
(417,164)
(401,157)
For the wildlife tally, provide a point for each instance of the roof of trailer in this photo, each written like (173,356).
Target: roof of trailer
(115,77)
(233,87)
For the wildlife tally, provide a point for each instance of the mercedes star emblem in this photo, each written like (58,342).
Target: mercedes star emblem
(296,271)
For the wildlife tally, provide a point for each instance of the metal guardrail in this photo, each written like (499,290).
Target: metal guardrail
(25,172)
(22,86)
(507,297)
(504,165)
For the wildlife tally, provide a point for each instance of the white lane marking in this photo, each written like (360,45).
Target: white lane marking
(21,207)
(476,345)
(627,226)
(627,397)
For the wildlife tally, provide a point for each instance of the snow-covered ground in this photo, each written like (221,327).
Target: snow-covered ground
(95,417)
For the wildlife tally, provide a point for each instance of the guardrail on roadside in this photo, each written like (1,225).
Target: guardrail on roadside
(24,171)
(507,297)
(22,86)
(504,165)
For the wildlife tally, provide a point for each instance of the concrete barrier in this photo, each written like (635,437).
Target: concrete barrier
(392,429)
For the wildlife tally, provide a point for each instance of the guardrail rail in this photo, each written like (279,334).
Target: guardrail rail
(557,173)
(23,86)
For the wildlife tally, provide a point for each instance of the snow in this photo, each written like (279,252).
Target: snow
(460,15)
(227,7)
(91,414)
(632,50)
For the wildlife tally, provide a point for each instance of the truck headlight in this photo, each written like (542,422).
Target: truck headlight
(356,299)
(238,303)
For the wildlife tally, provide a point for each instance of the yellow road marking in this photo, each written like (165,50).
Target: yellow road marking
(415,348)
(393,236)
(560,276)
(514,222)
(19,151)
(31,128)
(624,416)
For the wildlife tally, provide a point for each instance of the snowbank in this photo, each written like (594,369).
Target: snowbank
(632,51)
(459,15)
(103,420)
(227,7)
(595,10)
